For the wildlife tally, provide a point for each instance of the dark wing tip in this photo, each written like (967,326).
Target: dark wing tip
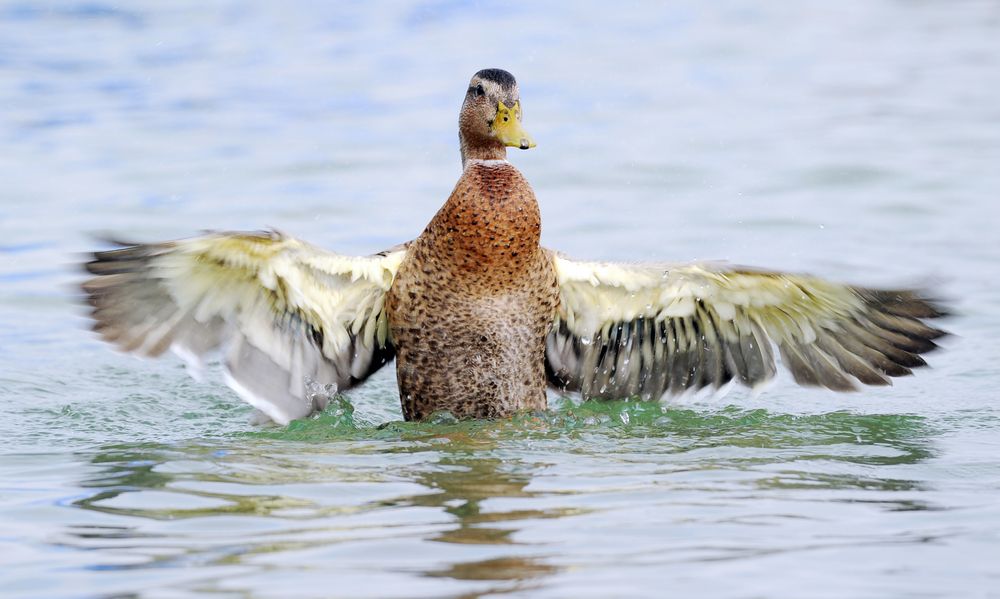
(893,324)
(910,303)
(124,256)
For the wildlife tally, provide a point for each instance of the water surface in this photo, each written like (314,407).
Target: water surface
(855,140)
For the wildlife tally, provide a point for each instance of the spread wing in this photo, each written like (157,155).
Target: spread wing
(283,312)
(645,330)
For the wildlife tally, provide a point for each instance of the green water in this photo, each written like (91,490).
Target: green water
(858,141)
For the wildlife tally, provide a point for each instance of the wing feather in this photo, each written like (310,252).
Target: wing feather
(283,313)
(645,330)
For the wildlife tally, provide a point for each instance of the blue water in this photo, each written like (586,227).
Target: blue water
(856,140)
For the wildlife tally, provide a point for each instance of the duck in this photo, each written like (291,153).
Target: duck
(481,319)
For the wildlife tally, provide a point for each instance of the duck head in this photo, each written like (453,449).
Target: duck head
(490,119)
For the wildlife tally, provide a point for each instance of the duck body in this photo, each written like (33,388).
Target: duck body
(473,301)
(480,318)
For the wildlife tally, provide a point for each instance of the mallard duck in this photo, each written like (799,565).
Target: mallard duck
(479,317)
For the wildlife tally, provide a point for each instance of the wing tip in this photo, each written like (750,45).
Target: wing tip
(918,302)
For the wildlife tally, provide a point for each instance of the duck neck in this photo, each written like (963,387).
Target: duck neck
(480,149)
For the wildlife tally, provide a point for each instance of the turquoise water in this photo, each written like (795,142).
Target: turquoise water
(857,140)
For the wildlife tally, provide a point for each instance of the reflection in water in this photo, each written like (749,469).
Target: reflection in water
(463,483)
(472,484)
(505,568)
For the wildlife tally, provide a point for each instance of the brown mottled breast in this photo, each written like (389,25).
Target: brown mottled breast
(490,224)
(473,301)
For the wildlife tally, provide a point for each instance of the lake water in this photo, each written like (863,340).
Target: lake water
(858,140)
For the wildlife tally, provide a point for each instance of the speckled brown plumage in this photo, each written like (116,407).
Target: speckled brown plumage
(473,302)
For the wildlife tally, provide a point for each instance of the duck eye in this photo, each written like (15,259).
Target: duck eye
(480,92)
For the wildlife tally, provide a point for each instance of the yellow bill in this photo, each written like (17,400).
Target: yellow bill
(507,127)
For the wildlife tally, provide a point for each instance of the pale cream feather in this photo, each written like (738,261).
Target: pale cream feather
(284,313)
(643,330)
